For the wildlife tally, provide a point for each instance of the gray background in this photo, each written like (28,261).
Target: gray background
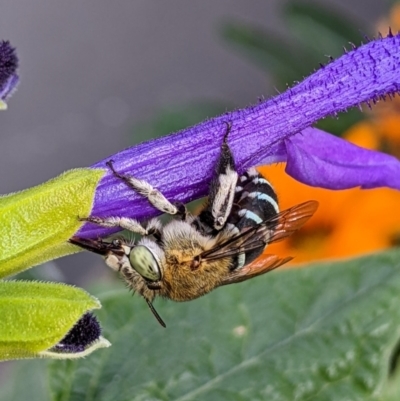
(90,69)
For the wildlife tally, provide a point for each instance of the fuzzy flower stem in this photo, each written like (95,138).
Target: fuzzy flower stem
(181,165)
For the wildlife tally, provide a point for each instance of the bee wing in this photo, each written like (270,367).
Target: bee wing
(290,220)
(264,265)
(274,229)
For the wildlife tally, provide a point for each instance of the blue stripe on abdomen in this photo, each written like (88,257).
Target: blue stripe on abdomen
(266,198)
(248,214)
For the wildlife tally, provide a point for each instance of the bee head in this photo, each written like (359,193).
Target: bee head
(145,261)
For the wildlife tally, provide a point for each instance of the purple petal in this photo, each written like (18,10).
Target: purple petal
(181,165)
(8,67)
(323,160)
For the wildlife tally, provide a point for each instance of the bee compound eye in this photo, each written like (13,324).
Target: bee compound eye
(145,263)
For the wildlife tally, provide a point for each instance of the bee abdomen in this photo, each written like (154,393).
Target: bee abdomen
(255,201)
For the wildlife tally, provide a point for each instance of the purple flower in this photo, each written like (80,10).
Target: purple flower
(8,67)
(181,165)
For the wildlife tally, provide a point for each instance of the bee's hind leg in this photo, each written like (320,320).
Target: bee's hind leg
(222,189)
(226,161)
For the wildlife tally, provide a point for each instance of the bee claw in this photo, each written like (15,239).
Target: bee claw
(110,163)
(228,130)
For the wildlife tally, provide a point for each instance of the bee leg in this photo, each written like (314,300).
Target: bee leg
(226,160)
(222,189)
(98,246)
(182,211)
(154,228)
(154,196)
(121,222)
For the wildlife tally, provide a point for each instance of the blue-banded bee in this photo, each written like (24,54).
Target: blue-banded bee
(191,255)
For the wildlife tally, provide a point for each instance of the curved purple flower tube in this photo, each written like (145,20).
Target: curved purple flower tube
(181,165)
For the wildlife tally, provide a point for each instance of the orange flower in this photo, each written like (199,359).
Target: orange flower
(393,20)
(349,222)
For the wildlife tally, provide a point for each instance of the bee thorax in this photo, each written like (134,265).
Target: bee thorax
(182,282)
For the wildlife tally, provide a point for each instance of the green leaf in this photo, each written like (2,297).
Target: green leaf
(36,223)
(323,27)
(33,385)
(326,332)
(36,316)
(273,54)
(313,26)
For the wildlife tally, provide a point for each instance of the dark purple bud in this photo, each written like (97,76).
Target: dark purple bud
(85,332)
(8,67)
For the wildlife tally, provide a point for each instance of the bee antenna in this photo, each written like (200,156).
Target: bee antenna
(155,313)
